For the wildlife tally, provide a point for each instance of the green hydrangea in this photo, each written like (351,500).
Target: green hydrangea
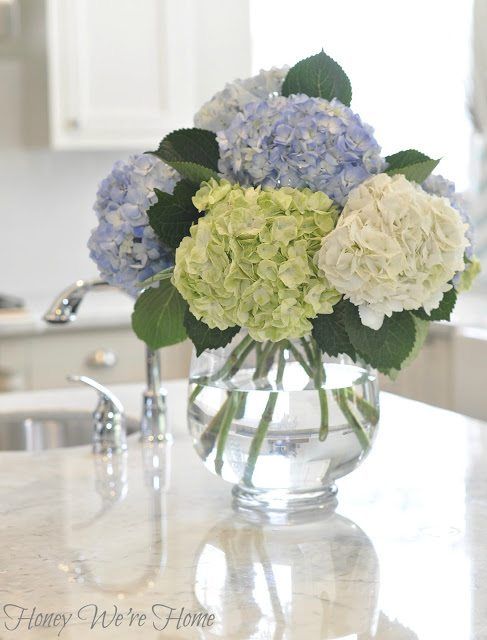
(251,260)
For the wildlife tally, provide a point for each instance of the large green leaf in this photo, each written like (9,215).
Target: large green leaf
(203,337)
(330,333)
(318,76)
(189,151)
(171,216)
(193,172)
(388,347)
(414,165)
(422,327)
(158,317)
(443,312)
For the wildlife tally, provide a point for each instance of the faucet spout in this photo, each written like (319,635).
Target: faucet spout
(64,308)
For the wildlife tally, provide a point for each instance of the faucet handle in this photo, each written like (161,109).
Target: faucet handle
(109,433)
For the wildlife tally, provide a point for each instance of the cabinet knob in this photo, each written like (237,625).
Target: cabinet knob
(101,359)
(73,124)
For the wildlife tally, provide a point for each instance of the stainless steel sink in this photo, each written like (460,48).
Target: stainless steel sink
(37,430)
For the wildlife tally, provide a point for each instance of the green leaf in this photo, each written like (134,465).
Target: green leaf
(443,312)
(386,348)
(158,317)
(318,76)
(203,337)
(195,173)
(414,165)
(330,333)
(422,328)
(171,216)
(186,149)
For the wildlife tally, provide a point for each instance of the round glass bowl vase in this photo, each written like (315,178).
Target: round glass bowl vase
(281,421)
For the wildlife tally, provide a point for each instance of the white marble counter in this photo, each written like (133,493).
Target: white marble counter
(404,558)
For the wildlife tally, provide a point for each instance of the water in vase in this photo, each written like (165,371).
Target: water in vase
(310,437)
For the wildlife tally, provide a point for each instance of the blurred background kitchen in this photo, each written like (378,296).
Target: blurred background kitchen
(85,83)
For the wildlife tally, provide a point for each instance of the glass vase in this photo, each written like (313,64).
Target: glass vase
(281,420)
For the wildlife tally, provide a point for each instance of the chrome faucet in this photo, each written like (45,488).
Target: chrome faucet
(153,427)
(153,422)
(65,306)
(109,434)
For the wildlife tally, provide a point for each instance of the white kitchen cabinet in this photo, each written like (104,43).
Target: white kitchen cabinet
(43,360)
(123,73)
(470,372)
(429,378)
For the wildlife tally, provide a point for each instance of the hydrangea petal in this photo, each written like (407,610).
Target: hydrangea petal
(394,247)
(299,141)
(123,245)
(269,281)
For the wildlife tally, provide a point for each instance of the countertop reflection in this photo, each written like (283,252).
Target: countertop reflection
(153,534)
(259,580)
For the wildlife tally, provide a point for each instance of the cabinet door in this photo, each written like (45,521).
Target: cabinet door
(429,378)
(54,356)
(123,73)
(469,371)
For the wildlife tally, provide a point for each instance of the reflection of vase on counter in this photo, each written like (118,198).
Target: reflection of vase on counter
(321,577)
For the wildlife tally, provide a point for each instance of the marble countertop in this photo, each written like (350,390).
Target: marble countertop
(403,558)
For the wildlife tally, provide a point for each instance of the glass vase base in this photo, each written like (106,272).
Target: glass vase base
(275,502)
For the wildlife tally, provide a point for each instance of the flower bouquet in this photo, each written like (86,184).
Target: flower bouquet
(298,260)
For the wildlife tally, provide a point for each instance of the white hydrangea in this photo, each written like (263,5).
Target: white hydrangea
(216,114)
(394,247)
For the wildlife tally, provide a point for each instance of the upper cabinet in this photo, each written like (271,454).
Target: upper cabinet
(123,73)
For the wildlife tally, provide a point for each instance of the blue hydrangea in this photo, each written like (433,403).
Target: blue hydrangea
(440,186)
(218,113)
(299,141)
(123,245)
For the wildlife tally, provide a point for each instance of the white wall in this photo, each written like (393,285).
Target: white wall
(46,197)
(46,200)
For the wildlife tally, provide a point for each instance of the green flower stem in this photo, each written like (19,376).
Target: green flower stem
(234,360)
(307,349)
(238,362)
(209,435)
(368,411)
(264,360)
(237,357)
(320,378)
(315,371)
(258,349)
(264,423)
(324,420)
(342,401)
(229,369)
(232,407)
(165,274)
(299,358)
(195,393)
